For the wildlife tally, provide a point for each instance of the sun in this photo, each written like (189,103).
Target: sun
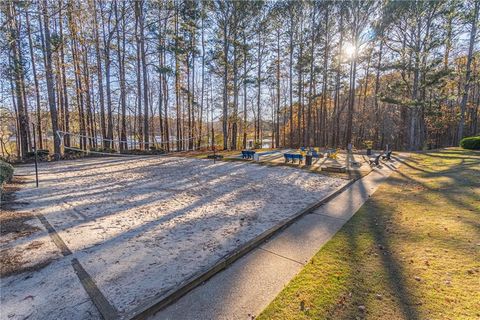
(350,50)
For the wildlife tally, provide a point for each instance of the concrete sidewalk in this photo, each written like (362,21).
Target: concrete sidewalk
(244,289)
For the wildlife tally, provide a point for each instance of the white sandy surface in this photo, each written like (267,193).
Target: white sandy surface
(140,226)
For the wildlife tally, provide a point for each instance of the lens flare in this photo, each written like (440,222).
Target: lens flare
(350,50)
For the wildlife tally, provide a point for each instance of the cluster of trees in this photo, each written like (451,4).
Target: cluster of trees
(185,74)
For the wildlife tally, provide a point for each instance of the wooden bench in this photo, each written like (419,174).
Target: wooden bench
(215,156)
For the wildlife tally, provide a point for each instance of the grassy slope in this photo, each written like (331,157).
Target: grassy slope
(411,252)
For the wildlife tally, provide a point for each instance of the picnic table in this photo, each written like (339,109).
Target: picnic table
(248,154)
(332,153)
(292,157)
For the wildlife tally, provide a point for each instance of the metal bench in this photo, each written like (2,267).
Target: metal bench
(387,156)
(375,160)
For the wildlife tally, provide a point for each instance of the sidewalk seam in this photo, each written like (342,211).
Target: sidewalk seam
(281,256)
(327,216)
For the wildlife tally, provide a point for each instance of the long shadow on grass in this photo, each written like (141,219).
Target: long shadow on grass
(458,190)
(456,152)
(374,225)
(460,173)
(374,221)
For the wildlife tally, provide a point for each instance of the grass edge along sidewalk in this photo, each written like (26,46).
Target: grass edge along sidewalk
(411,252)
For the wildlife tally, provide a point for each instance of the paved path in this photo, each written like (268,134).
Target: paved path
(244,289)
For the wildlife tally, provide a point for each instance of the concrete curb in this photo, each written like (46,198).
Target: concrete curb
(156,304)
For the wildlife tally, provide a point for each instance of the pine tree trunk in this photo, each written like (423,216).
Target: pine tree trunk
(88,100)
(233,143)
(377,90)
(161,36)
(353,72)
(203,80)
(22,123)
(310,84)
(291,79)
(191,141)
(103,127)
(225,86)
(277,126)
(336,107)
(258,136)
(300,111)
(165,105)
(140,125)
(146,131)
(189,104)
(463,103)
(14,104)
(177,83)
(66,117)
(245,74)
(50,84)
(36,84)
(123,144)
(323,119)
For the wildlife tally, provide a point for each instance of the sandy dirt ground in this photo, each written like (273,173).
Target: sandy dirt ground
(140,226)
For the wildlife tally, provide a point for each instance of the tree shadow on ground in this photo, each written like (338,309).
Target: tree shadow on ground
(371,224)
(191,181)
(370,238)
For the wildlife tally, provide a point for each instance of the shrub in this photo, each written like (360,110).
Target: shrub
(143,152)
(70,154)
(42,155)
(6,172)
(103,150)
(472,143)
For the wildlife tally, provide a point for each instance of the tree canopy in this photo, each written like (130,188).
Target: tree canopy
(183,74)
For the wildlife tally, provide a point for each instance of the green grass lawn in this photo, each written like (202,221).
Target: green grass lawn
(411,252)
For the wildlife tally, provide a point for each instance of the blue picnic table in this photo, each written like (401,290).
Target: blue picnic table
(247,154)
(292,157)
